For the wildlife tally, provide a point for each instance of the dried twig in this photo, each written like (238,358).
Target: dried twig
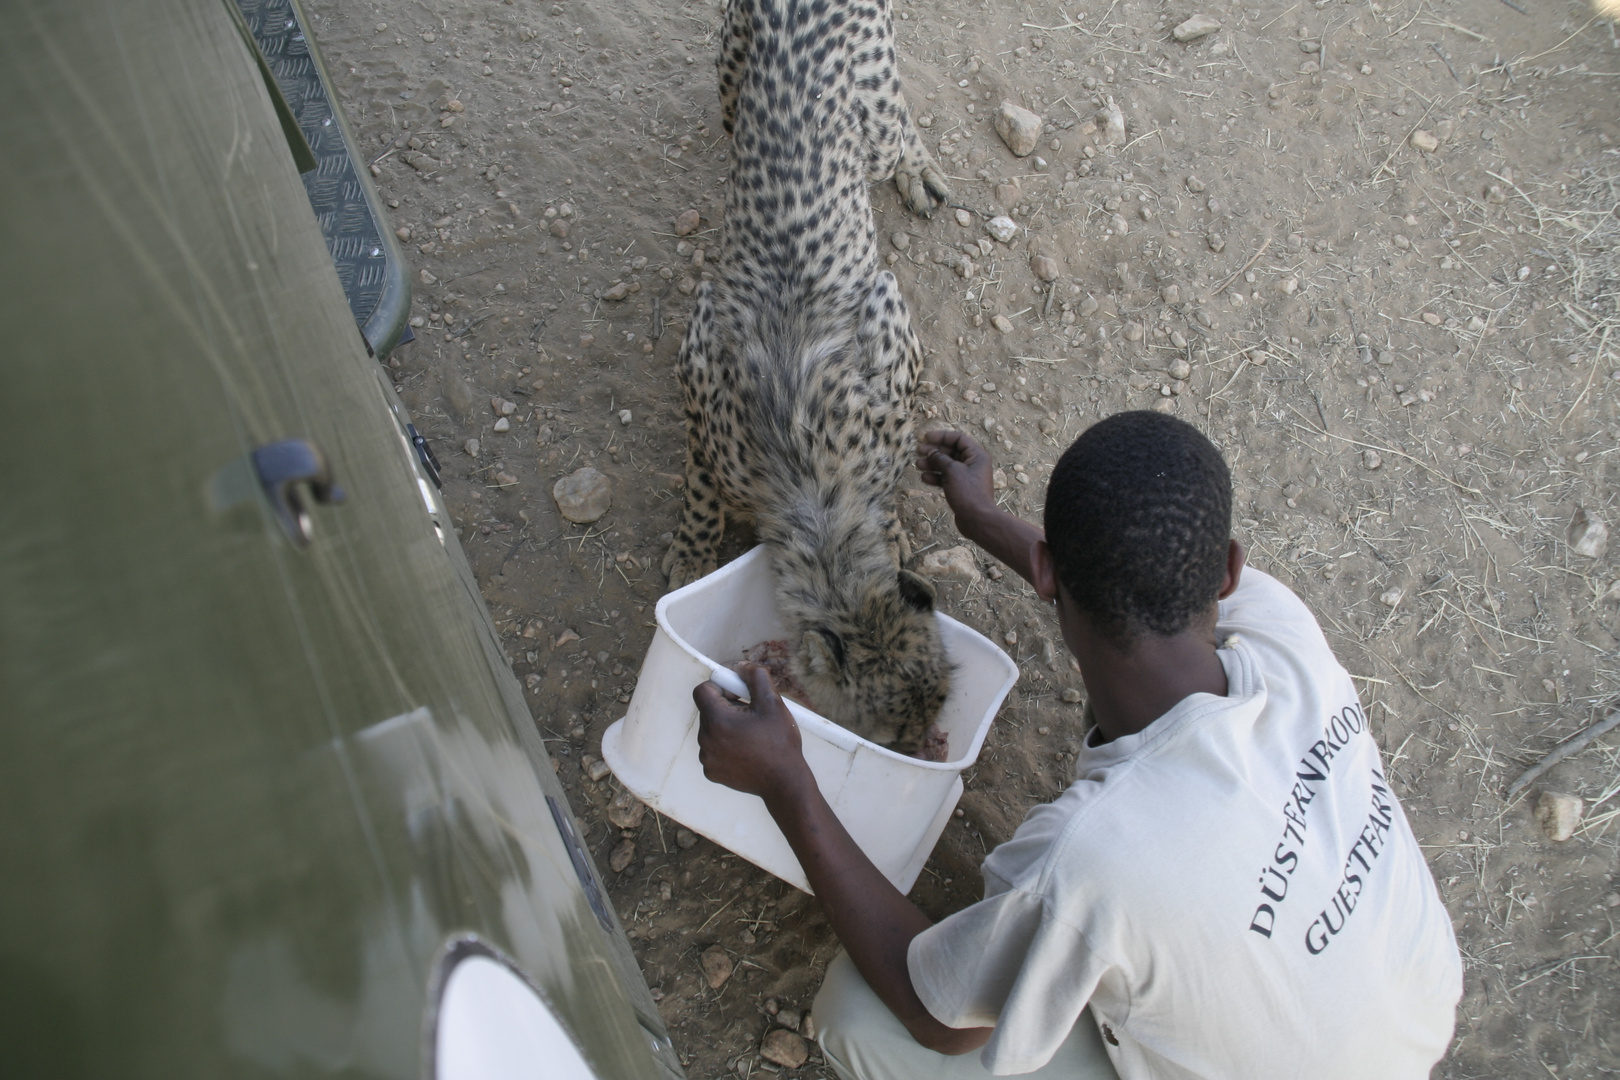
(1217,290)
(1562,751)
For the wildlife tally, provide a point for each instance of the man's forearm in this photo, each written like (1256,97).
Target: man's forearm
(1006,536)
(873,919)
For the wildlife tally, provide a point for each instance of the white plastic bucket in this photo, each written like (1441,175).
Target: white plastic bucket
(894,806)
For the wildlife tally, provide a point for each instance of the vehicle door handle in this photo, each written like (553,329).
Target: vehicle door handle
(285,470)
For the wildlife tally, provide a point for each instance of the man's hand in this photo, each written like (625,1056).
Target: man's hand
(962,469)
(751,747)
(954,463)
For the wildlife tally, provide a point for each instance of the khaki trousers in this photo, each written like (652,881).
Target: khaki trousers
(861,1040)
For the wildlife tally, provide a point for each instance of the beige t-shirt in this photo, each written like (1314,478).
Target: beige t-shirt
(1234,890)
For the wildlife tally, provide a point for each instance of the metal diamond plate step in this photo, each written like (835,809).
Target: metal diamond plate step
(368,261)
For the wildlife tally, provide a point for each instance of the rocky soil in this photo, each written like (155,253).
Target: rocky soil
(1368,247)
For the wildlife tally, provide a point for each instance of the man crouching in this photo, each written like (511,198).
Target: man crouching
(1229,888)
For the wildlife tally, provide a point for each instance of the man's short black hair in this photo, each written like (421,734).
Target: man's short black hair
(1138,515)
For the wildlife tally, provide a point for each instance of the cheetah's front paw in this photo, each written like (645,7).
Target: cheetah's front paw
(683,567)
(922,185)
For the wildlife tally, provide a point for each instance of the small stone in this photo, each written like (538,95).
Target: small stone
(1196,27)
(503,424)
(1009,194)
(471,446)
(1113,124)
(963,218)
(900,240)
(1118,223)
(1217,243)
(1171,294)
(1002,228)
(785,1048)
(1587,535)
(1424,141)
(583,495)
(502,407)
(1181,370)
(717,966)
(1288,286)
(1558,814)
(625,416)
(1071,696)
(1178,339)
(687,223)
(559,229)
(1133,331)
(1088,307)
(1019,128)
(1392,596)
(504,478)
(598,771)
(567,637)
(1044,267)
(788,1018)
(617,291)
(626,811)
(1371,459)
(685,839)
(623,855)
(426,277)
(957,563)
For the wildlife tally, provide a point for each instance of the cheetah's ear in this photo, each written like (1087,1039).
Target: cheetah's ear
(823,652)
(916,592)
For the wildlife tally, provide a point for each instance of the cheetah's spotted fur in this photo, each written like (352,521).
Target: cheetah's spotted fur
(799,362)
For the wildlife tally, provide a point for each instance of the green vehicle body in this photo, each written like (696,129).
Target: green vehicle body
(258,790)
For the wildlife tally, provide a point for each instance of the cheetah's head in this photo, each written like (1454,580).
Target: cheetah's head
(880,671)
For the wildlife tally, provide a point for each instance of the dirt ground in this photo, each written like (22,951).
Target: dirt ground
(1405,345)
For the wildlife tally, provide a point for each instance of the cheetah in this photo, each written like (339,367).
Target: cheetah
(799,362)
